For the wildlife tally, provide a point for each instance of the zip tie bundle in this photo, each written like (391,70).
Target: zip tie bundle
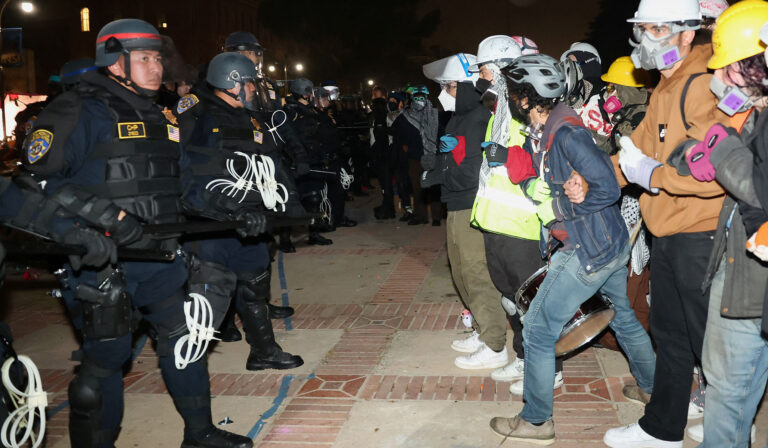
(30,406)
(273,129)
(325,206)
(199,316)
(346,179)
(259,175)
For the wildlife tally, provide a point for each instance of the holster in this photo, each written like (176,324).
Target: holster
(107,310)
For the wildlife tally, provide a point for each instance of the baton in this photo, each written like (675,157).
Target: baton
(220,226)
(42,248)
(324,172)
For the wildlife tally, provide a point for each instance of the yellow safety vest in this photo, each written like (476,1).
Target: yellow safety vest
(501,206)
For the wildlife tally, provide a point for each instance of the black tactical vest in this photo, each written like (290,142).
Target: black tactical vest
(142,173)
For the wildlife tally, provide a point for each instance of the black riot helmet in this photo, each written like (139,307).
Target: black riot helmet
(227,70)
(121,37)
(242,41)
(302,87)
(71,71)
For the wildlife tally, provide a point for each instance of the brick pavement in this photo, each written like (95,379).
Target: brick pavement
(317,408)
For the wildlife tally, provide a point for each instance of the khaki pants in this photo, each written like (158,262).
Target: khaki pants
(466,254)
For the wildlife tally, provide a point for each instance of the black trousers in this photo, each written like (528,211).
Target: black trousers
(385,171)
(510,262)
(678,318)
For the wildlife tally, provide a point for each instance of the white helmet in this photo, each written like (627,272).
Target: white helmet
(500,49)
(660,11)
(452,68)
(581,46)
(713,8)
(527,45)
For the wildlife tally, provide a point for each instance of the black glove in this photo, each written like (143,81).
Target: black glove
(256,223)
(495,154)
(99,249)
(302,168)
(125,231)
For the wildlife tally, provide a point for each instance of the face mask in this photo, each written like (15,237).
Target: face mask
(482,85)
(419,105)
(448,102)
(392,106)
(732,99)
(653,53)
(612,105)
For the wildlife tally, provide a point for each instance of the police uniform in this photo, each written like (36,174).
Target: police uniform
(213,132)
(107,141)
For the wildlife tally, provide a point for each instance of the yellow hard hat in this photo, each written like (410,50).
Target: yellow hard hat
(737,33)
(624,73)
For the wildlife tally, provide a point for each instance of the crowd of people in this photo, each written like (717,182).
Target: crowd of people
(574,200)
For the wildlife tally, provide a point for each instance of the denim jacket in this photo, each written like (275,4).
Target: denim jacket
(595,227)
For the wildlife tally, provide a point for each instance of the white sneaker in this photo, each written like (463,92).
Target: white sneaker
(633,436)
(483,358)
(694,411)
(511,372)
(696,432)
(517,388)
(468,345)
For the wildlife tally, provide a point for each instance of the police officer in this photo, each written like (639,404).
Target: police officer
(332,156)
(217,127)
(109,139)
(304,118)
(267,106)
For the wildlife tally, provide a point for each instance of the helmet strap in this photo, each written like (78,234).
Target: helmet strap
(128,82)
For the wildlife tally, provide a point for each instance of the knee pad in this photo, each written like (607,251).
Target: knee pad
(106,310)
(85,401)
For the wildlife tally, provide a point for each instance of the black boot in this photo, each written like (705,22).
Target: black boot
(279,312)
(265,352)
(217,438)
(316,239)
(286,246)
(228,331)
(384,212)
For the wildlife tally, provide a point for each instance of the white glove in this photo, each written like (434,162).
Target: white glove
(636,166)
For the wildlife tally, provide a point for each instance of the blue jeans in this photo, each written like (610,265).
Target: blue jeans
(735,362)
(565,288)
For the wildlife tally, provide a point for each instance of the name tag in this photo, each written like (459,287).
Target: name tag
(258,137)
(131,130)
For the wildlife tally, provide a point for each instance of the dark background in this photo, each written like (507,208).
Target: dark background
(348,41)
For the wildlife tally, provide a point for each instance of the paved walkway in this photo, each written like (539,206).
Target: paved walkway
(375,315)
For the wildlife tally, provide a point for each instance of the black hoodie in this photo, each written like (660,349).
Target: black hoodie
(468,125)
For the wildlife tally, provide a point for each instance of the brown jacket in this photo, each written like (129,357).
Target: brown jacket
(683,204)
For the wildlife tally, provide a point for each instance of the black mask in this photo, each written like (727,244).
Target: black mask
(482,85)
(519,113)
(392,106)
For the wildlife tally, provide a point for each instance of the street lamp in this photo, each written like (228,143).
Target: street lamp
(26,7)
(370,82)
(271,68)
(299,67)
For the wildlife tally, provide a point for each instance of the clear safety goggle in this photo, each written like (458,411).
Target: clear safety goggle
(656,31)
(449,85)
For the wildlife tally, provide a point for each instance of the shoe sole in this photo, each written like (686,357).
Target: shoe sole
(645,444)
(542,442)
(483,367)
(267,366)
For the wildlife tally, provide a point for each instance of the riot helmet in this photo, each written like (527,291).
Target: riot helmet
(228,70)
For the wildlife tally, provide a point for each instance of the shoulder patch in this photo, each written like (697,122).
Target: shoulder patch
(186,102)
(40,142)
